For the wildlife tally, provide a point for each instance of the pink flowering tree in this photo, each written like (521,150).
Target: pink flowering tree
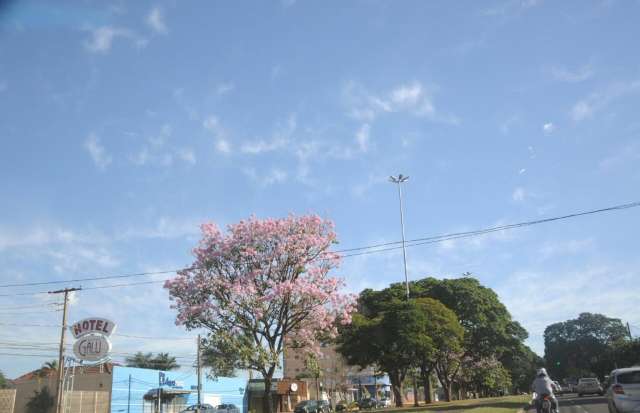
(255,285)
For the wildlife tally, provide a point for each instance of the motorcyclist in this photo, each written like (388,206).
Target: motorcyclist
(543,384)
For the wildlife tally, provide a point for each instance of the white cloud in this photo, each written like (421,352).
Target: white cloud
(521,171)
(224,88)
(548,128)
(597,101)
(98,154)
(511,7)
(263,178)
(260,146)
(565,75)
(408,98)
(222,144)
(102,38)
(362,137)
(155,20)
(507,124)
(565,248)
(626,155)
(518,194)
(187,155)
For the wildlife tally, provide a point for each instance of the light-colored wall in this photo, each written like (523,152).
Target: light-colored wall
(91,382)
(7,400)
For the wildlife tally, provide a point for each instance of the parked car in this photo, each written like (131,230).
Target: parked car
(385,402)
(313,406)
(227,408)
(344,405)
(204,408)
(623,392)
(369,403)
(589,385)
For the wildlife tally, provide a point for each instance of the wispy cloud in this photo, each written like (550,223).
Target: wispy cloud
(548,128)
(222,144)
(157,151)
(597,101)
(155,20)
(511,7)
(224,88)
(564,248)
(273,176)
(97,152)
(563,74)
(519,194)
(411,98)
(362,137)
(625,155)
(281,138)
(103,37)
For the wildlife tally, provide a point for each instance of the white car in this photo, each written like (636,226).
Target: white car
(589,385)
(623,394)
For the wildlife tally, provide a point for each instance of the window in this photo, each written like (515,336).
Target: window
(629,378)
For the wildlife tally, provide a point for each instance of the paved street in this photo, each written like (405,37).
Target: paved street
(571,403)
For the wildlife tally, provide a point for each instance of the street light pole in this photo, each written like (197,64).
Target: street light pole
(399,180)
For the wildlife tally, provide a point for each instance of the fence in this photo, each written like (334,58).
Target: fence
(86,402)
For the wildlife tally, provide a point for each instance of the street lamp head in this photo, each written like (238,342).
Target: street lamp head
(399,179)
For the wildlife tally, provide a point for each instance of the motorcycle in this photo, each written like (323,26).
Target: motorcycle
(544,404)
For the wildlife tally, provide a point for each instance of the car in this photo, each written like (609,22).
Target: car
(227,408)
(589,385)
(623,392)
(204,408)
(369,403)
(385,402)
(313,406)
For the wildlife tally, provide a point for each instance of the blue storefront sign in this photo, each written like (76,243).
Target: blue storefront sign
(137,390)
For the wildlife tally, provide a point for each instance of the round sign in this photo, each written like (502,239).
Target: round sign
(294,387)
(92,347)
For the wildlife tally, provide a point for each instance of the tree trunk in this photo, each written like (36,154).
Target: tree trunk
(267,399)
(425,376)
(396,387)
(447,391)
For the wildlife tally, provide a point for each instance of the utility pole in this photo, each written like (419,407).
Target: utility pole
(199,377)
(60,392)
(129,396)
(629,331)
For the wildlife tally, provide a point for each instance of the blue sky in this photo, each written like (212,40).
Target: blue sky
(125,125)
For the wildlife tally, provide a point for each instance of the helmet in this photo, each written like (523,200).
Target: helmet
(542,372)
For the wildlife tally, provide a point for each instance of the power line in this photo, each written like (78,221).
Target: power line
(364,250)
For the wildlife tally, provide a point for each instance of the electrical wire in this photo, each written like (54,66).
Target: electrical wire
(376,248)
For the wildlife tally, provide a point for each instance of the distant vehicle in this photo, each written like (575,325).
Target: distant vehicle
(204,408)
(566,388)
(558,388)
(227,408)
(623,392)
(313,406)
(589,385)
(369,403)
(385,402)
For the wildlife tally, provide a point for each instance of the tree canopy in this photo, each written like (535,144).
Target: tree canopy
(162,361)
(261,281)
(399,334)
(582,346)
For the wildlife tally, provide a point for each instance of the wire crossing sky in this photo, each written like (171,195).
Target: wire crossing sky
(124,126)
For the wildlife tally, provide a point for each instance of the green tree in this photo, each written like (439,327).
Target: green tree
(41,402)
(140,360)
(4,383)
(489,330)
(583,345)
(162,361)
(398,336)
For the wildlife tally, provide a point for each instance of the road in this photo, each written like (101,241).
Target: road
(571,403)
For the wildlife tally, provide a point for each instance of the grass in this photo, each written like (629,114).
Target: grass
(509,404)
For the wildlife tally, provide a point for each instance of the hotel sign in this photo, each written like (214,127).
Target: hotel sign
(92,338)
(93,325)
